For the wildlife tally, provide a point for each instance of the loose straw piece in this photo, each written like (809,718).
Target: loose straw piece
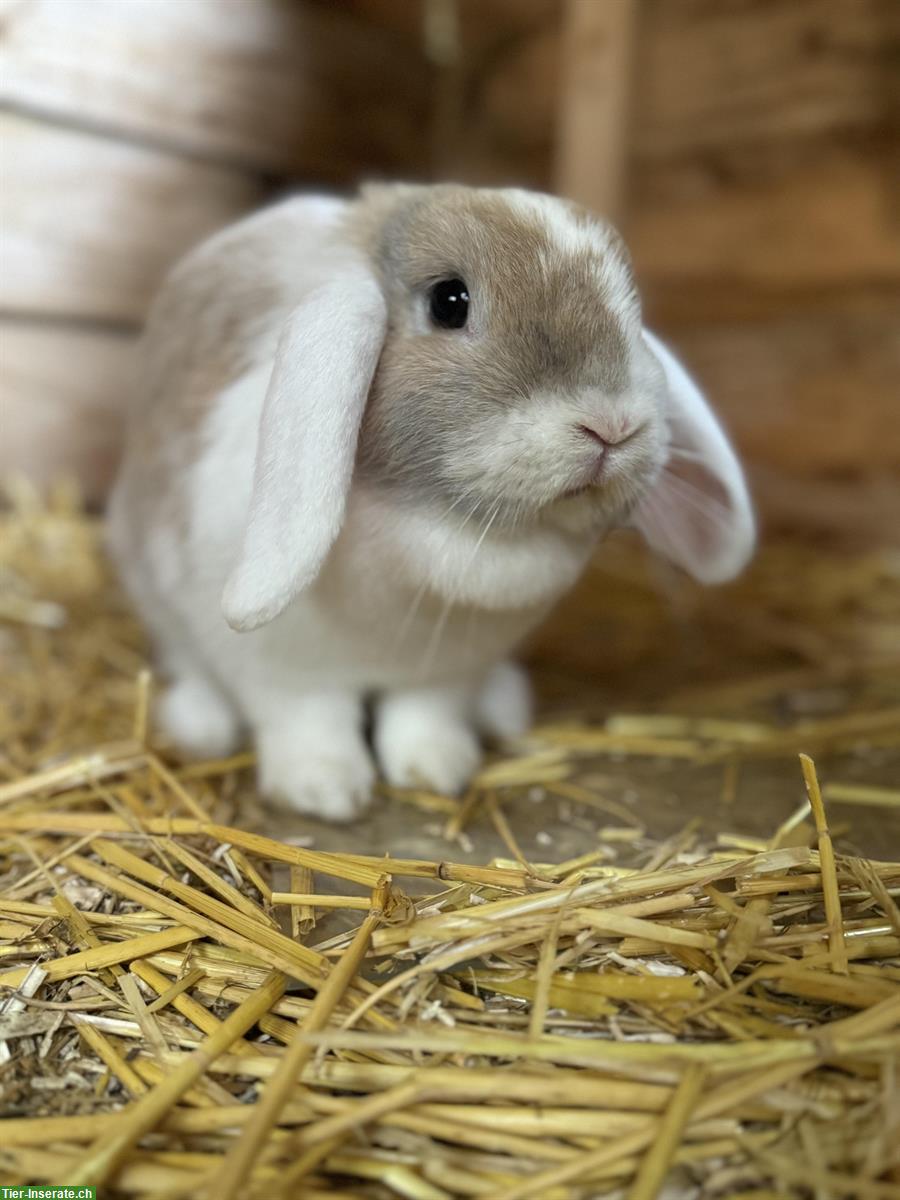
(830,888)
(238,1162)
(105,955)
(543,978)
(142,706)
(857,793)
(102,1159)
(303,916)
(318,900)
(656,1162)
(110,1056)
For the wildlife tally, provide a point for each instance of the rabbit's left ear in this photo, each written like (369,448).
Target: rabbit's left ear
(699,513)
(326,358)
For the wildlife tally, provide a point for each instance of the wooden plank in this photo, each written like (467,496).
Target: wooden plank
(63,400)
(284,86)
(806,393)
(823,216)
(718,75)
(724,94)
(493,100)
(860,510)
(597,43)
(90,225)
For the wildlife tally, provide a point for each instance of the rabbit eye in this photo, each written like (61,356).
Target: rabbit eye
(449,303)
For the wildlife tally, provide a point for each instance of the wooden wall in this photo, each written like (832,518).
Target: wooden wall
(749,149)
(765,224)
(746,143)
(135,127)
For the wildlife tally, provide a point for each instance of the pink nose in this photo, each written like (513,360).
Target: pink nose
(607,438)
(592,433)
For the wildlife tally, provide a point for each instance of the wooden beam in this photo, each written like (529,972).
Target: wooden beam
(823,221)
(597,46)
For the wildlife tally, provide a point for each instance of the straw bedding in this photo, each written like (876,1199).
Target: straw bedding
(184,1011)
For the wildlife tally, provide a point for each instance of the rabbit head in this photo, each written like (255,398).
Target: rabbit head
(481,352)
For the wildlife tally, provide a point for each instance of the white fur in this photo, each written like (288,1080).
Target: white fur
(312,754)
(518,450)
(199,718)
(424,738)
(306,449)
(505,705)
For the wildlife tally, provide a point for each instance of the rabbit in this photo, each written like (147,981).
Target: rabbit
(373,441)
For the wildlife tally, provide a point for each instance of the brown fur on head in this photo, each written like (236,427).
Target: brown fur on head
(490,416)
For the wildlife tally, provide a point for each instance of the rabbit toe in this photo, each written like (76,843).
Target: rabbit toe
(441,758)
(505,706)
(336,786)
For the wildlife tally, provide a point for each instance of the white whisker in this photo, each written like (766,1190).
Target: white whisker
(416,603)
(441,623)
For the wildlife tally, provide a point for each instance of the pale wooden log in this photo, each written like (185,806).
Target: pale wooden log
(276,84)
(593,103)
(62,401)
(90,225)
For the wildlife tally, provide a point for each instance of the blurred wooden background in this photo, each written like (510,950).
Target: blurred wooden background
(748,149)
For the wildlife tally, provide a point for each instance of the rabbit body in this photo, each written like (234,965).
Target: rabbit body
(336,496)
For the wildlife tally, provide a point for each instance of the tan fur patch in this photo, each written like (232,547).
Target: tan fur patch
(540,320)
(199,339)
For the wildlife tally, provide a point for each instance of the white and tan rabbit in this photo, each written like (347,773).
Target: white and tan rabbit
(373,442)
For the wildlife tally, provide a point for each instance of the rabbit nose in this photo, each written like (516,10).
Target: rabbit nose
(607,438)
(589,432)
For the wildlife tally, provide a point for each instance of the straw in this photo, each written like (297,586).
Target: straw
(830,888)
(655,1163)
(717,1010)
(240,1158)
(102,1158)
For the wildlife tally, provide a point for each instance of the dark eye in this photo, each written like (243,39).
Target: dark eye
(449,303)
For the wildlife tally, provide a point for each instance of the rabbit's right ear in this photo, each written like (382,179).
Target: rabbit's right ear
(326,358)
(699,513)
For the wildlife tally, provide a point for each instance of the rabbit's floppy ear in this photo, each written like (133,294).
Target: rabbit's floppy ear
(699,513)
(327,354)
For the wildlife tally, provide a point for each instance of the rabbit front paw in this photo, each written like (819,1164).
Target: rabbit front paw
(335,787)
(198,718)
(315,761)
(422,740)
